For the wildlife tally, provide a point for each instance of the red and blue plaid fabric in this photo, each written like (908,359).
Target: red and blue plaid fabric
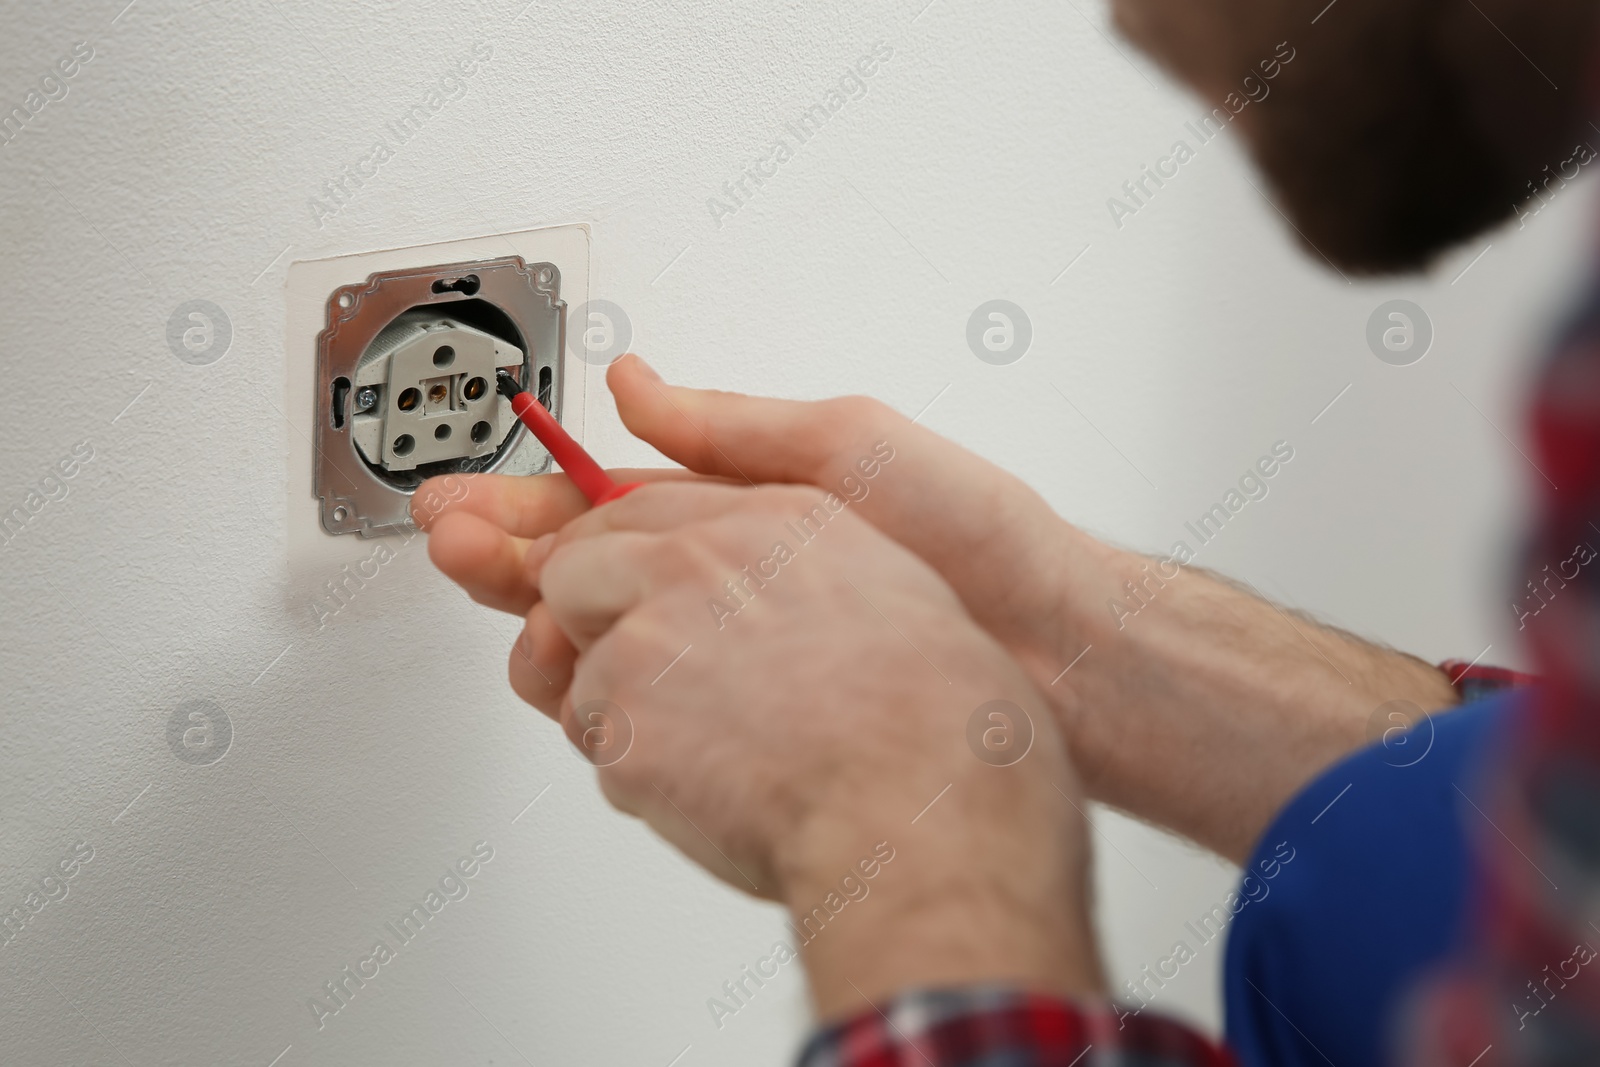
(1529,995)
(1473,682)
(997,1027)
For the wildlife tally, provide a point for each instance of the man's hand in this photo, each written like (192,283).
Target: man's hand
(1204,714)
(824,724)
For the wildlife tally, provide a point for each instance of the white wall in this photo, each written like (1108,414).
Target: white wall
(366,757)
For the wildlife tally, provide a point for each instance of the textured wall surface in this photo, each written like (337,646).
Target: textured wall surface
(187,158)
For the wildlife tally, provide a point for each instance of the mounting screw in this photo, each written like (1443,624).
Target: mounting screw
(366,398)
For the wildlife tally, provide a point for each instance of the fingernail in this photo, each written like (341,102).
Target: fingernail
(646,369)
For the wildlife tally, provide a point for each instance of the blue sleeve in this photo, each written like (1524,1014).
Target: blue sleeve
(1325,946)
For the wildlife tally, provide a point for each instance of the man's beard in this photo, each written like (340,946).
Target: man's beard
(1388,160)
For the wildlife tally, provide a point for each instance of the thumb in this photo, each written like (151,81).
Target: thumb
(992,537)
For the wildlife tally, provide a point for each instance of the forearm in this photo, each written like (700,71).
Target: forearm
(1209,708)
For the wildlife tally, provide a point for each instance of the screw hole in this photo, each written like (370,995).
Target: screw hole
(340,514)
(480,432)
(437,394)
(404,444)
(442,432)
(546,386)
(346,300)
(466,286)
(545,276)
(443,356)
(409,400)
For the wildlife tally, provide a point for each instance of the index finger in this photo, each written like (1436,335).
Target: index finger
(594,582)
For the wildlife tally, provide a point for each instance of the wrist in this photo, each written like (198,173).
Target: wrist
(1196,688)
(946,902)
(1059,625)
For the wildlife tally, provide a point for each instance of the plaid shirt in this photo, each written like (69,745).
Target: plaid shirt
(997,1027)
(1529,991)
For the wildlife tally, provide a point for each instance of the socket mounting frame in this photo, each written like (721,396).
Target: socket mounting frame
(354,495)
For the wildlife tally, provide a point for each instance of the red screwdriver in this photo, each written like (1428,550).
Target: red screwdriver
(578,464)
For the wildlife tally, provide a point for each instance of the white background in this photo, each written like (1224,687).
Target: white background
(368,755)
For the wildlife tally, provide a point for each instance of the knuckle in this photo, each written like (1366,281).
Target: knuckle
(524,682)
(691,552)
(859,413)
(795,500)
(727,540)
(853,426)
(644,499)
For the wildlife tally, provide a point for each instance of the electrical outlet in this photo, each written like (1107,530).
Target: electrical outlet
(406,414)
(407,363)
(391,361)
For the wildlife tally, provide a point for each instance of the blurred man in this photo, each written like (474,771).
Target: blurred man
(823,662)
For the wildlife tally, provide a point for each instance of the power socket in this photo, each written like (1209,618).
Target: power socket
(406,367)
(423,393)
(336,307)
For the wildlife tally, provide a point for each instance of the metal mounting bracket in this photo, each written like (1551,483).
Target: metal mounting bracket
(358,497)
